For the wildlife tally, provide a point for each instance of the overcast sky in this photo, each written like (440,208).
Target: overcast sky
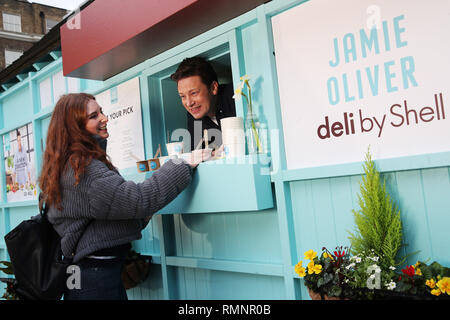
(65,4)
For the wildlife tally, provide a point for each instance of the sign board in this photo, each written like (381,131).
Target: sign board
(358,73)
(122,106)
(20,170)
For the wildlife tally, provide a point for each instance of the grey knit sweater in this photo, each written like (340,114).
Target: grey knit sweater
(104,210)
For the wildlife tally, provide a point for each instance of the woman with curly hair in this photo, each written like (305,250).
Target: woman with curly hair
(93,208)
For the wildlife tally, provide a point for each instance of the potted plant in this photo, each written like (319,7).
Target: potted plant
(11,283)
(378,223)
(424,281)
(366,274)
(370,269)
(323,275)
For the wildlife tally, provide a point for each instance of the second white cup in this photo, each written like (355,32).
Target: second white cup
(234,150)
(174,148)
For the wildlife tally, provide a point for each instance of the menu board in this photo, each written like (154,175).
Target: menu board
(18,148)
(122,106)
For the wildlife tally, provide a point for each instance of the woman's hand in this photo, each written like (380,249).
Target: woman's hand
(218,152)
(198,156)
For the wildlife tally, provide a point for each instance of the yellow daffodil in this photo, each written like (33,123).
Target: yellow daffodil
(310,254)
(317,268)
(418,272)
(431,283)
(301,271)
(436,292)
(444,285)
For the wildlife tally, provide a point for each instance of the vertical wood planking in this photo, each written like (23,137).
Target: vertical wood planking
(421,195)
(412,207)
(436,186)
(342,204)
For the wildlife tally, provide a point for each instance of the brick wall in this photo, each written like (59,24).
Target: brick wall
(33,17)
(13,45)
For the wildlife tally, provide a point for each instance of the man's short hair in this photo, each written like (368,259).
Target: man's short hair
(17,132)
(195,66)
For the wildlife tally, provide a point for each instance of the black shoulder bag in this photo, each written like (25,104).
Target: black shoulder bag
(34,248)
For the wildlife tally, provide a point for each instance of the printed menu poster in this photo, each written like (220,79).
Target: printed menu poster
(122,106)
(19,164)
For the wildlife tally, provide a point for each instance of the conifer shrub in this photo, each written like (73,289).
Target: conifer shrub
(378,225)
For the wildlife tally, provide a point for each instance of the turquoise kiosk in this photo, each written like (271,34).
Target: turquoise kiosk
(329,79)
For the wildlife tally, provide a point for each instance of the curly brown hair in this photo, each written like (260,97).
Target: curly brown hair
(68,143)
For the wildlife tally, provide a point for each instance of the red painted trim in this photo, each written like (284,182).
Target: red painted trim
(111,36)
(105,24)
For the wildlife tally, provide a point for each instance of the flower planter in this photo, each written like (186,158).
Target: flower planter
(378,295)
(318,296)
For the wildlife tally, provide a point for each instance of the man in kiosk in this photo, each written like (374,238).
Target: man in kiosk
(205,100)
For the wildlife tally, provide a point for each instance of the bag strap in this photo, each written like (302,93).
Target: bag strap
(43,208)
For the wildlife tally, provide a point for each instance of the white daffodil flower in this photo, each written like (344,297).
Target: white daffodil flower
(238,93)
(245,78)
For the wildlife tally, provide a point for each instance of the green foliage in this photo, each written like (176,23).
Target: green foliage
(10,161)
(378,223)
(328,279)
(10,292)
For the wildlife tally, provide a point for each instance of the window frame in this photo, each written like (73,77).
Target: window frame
(13,52)
(7,17)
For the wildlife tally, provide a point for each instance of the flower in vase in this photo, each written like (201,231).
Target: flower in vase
(238,92)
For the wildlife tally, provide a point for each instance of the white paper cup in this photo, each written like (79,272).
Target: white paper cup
(234,150)
(174,148)
(231,122)
(233,136)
